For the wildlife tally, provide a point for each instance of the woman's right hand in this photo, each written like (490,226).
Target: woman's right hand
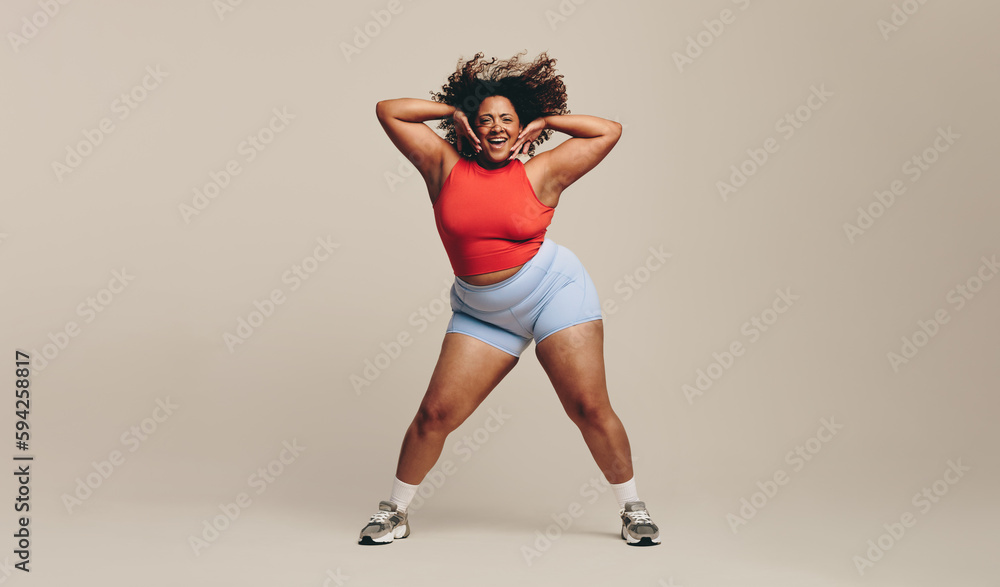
(464,132)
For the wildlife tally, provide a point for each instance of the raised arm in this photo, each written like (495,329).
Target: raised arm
(593,138)
(403,120)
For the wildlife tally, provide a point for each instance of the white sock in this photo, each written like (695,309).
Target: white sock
(402,494)
(625,492)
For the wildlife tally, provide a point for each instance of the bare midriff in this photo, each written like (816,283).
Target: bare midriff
(491,277)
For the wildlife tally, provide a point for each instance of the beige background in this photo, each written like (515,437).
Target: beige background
(327,174)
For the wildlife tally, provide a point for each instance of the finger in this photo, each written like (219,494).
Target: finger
(513,152)
(474,137)
(465,134)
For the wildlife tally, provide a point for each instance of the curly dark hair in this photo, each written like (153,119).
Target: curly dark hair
(532,87)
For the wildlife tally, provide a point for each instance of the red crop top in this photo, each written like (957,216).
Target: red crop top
(489,219)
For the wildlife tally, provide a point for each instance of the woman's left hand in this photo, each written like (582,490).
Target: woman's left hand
(527,136)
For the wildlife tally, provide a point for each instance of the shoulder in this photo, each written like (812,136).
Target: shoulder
(538,168)
(451,160)
(538,172)
(538,163)
(451,165)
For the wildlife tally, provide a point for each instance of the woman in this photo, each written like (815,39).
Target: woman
(512,283)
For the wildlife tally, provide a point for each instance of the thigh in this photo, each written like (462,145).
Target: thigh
(572,298)
(573,359)
(494,329)
(466,372)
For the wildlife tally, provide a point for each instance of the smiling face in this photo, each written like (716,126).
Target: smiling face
(497,127)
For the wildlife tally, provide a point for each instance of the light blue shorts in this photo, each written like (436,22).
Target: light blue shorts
(550,292)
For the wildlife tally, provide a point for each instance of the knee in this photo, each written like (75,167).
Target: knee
(434,419)
(590,413)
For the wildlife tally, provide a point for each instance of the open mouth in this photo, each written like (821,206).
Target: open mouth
(496,141)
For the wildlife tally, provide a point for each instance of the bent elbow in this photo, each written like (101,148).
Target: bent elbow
(616,130)
(613,133)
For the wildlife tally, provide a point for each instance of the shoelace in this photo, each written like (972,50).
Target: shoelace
(640,517)
(380,517)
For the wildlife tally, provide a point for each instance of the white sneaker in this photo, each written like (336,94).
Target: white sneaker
(385,525)
(637,528)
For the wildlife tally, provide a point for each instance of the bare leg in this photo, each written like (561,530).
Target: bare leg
(573,358)
(467,371)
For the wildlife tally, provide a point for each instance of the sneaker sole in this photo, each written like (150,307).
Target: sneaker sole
(369,541)
(644,541)
(399,532)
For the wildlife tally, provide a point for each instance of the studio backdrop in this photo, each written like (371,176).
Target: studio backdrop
(223,295)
